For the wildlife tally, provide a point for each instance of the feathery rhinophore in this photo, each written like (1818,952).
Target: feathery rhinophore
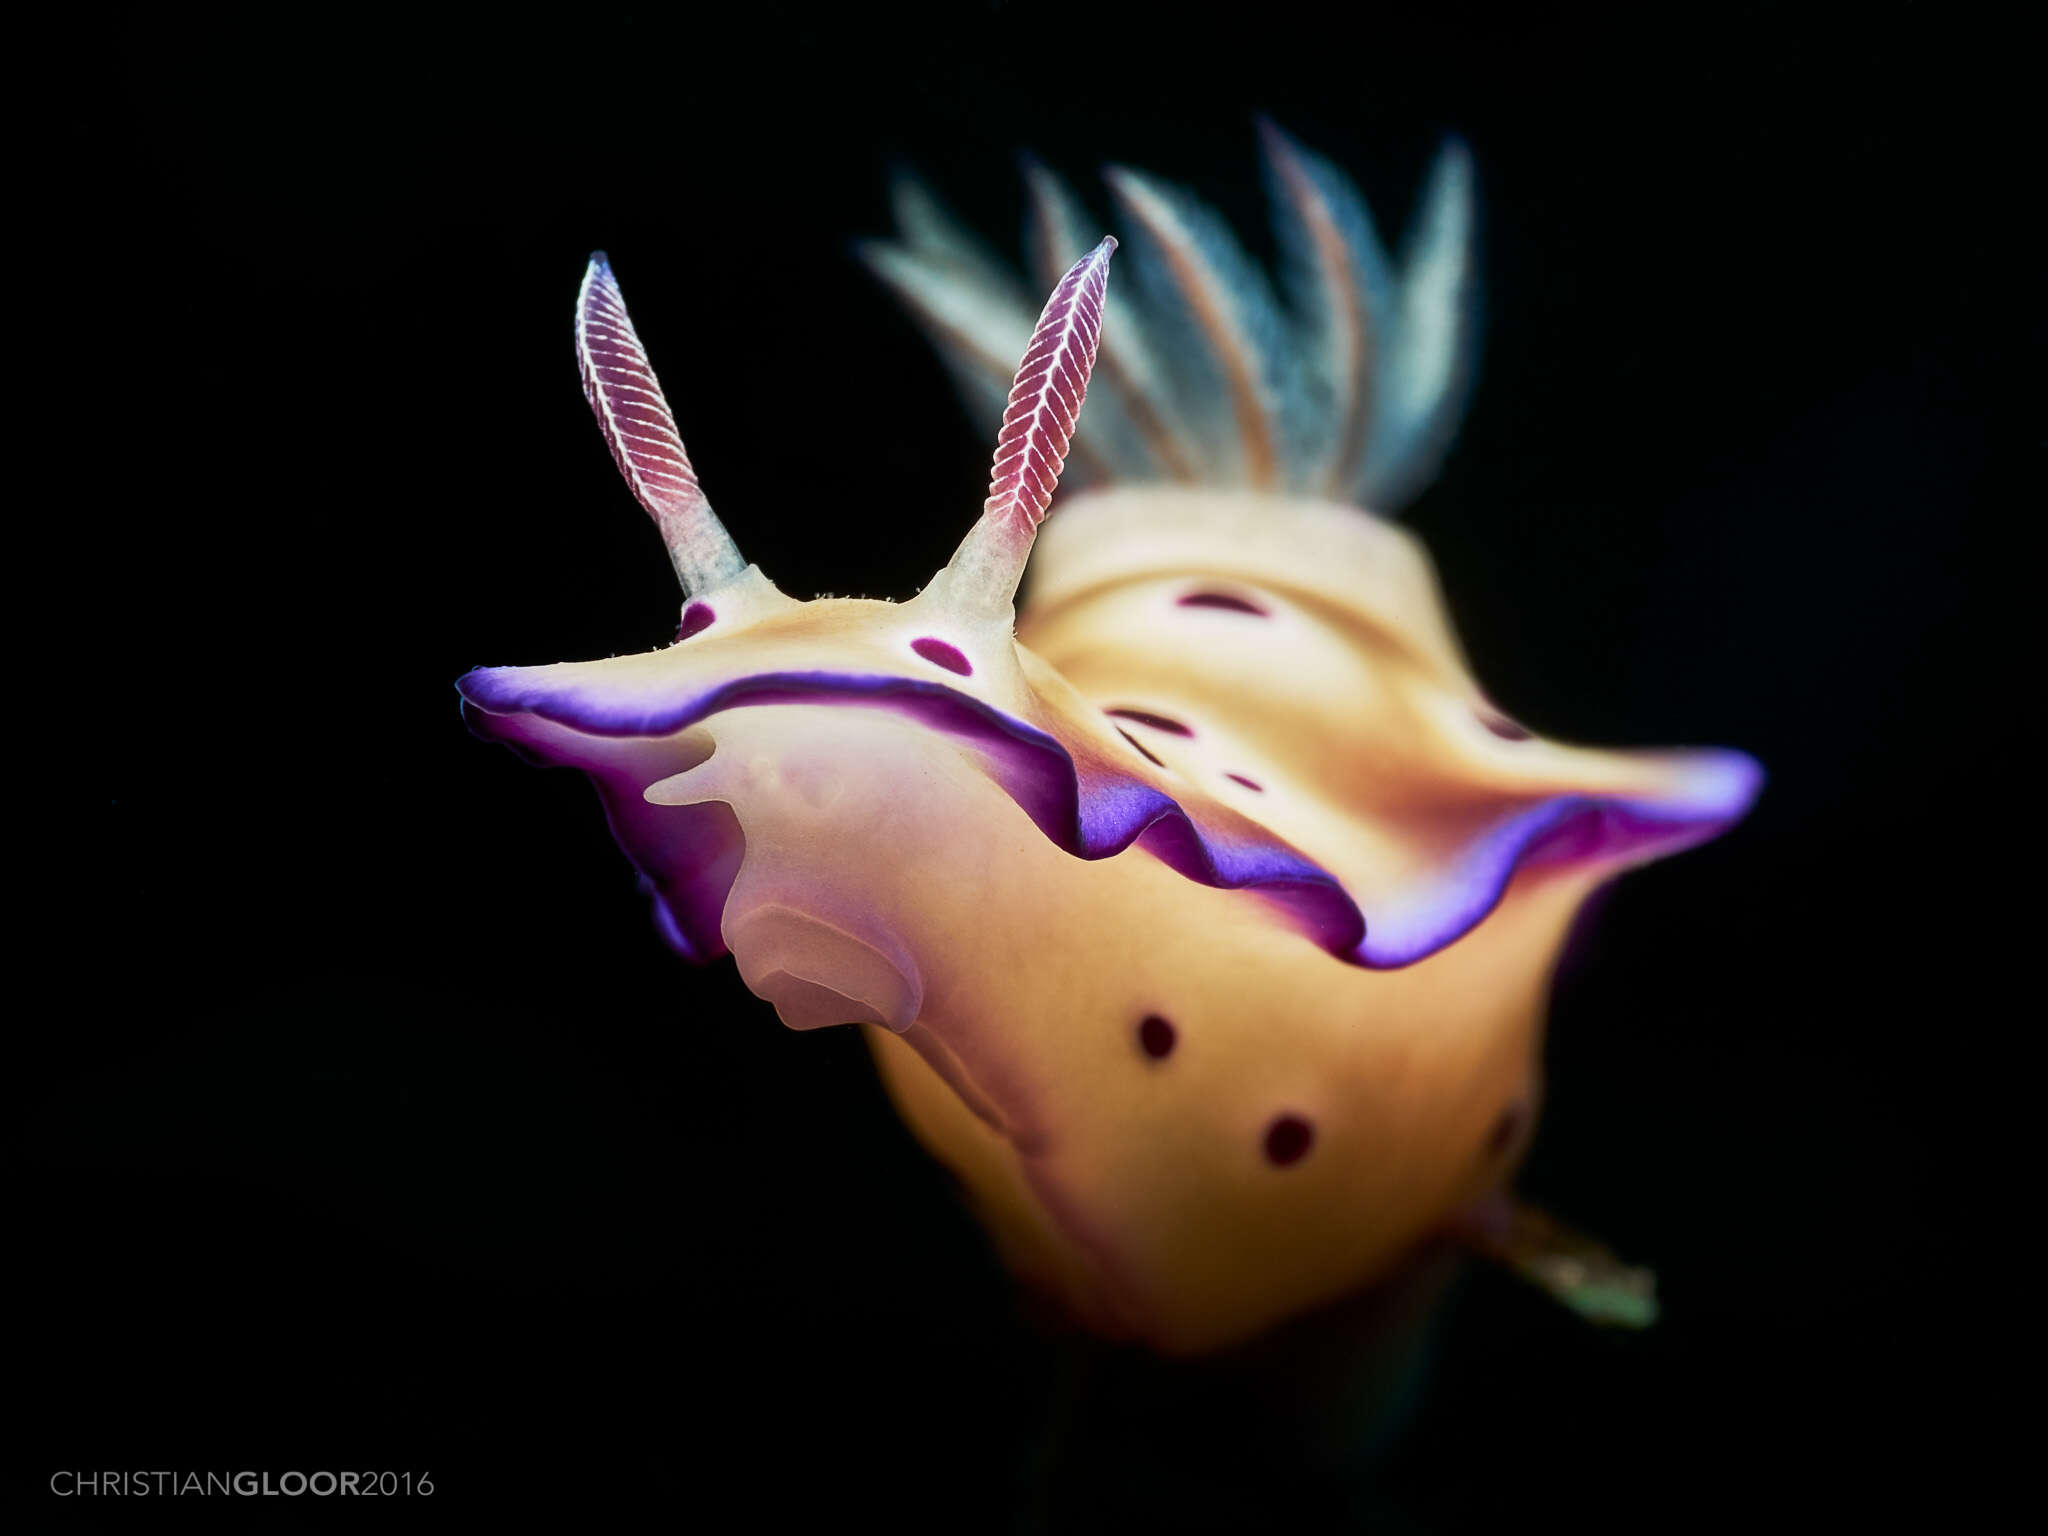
(1039,420)
(1349,385)
(1045,400)
(641,432)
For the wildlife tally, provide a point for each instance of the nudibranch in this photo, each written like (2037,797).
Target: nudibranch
(1201,915)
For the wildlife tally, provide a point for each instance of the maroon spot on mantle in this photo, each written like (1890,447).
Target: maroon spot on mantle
(940,654)
(1157,722)
(1288,1139)
(1156,1037)
(1238,778)
(1227,601)
(697,616)
(1501,725)
(1127,736)
(1506,1131)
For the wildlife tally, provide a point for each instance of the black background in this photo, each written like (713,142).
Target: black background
(371,1127)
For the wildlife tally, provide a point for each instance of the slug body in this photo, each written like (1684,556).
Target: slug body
(1201,914)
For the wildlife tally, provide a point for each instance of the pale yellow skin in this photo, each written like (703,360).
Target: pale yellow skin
(888,879)
(1148,1205)
(903,816)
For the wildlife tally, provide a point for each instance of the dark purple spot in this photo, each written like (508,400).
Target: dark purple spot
(1506,1131)
(697,616)
(1501,725)
(1157,722)
(940,654)
(1224,600)
(1157,1036)
(1238,778)
(1288,1139)
(1127,736)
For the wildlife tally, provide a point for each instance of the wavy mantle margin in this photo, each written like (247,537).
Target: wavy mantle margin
(1091,820)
